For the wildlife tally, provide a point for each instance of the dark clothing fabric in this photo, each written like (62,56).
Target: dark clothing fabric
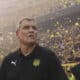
(41,64)
(76,71)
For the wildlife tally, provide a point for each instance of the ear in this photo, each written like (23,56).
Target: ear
(17,32)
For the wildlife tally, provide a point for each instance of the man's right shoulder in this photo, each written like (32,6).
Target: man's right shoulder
(12,55)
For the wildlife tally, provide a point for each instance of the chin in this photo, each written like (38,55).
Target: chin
(31,42)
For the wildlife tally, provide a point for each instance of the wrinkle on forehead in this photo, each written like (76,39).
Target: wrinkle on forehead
(26,20)
(27,23)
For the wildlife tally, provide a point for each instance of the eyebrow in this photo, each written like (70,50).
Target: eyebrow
(33,26)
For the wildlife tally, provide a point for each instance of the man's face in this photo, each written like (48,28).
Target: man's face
(27,32)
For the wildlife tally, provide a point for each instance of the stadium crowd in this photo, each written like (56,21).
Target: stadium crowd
(63,38)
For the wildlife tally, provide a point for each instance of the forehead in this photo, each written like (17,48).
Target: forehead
(27,22)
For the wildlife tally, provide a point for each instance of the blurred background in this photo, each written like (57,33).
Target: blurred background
(59,26)
(59,22)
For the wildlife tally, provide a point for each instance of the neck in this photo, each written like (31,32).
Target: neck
(27,49)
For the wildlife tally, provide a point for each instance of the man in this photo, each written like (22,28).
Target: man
(76,71)
(31,61)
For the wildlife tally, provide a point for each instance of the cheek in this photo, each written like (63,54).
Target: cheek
(20,35)
(36,33)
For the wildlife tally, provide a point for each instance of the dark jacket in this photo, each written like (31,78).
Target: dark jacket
(76,71)
(41,64)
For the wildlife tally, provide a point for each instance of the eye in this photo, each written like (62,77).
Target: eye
(34,27)
(26,27)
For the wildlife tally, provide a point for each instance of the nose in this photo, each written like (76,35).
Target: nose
(31,29)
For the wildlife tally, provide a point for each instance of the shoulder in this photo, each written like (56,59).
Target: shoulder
(10,56)
(50,57)
(76,68)
(13,54)
(44,49)
(46,52)
(76,71)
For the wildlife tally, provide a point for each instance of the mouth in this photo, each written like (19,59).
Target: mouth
(31,36)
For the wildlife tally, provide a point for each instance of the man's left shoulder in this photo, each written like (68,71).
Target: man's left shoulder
(46,51)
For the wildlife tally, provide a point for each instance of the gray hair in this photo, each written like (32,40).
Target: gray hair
(27,19)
